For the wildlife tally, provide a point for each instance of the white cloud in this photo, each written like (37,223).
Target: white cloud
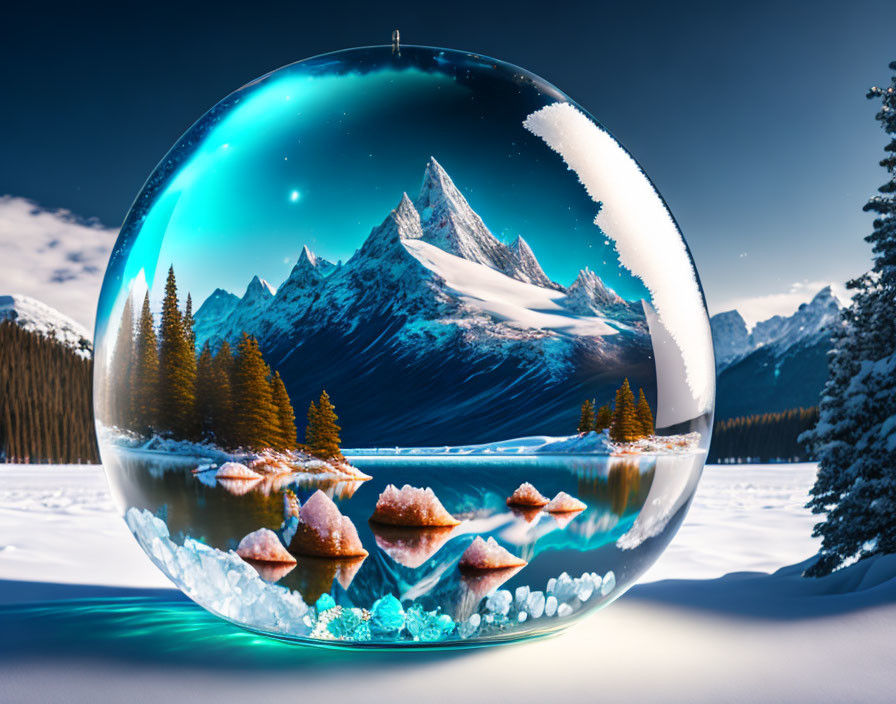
(754,309)
(53,256)
(647,240)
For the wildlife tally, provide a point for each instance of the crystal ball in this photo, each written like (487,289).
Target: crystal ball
(400,347)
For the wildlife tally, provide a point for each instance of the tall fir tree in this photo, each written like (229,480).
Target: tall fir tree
(189,322)
(625,426)
(205,392)
(586,417)
(120,379)
(255,417)
(603,418)
(311,427)
(854,440)
(645,415)
(177,367)
(325,430)
(146,372)
(222,420)
(286,417)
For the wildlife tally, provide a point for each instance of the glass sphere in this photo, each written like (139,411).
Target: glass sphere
(401,347)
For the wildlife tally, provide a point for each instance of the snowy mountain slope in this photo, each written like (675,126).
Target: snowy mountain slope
(518,304)
(39,318)
(213,313)
(781,364)
(449,344)
(730,337)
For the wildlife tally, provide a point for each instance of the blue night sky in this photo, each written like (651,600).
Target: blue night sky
(750,119)
(319,153)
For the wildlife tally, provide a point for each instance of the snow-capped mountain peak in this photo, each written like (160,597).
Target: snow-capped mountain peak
(527,267)
(41,319)
(588,293)
(309,270)
(811,322)
(808,322)
(730,337)
(258,290)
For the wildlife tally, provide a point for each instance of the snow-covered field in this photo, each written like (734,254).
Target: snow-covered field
(84,616)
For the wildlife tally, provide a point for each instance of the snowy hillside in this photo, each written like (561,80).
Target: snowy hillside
(429,301)
(39,318)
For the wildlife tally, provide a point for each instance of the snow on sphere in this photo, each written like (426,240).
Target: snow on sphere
(366,317)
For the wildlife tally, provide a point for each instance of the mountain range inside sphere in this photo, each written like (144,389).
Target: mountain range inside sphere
(434,332)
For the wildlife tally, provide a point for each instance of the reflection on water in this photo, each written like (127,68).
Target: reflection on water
(633,507)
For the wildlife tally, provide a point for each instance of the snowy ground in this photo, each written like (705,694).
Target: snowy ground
(85,617)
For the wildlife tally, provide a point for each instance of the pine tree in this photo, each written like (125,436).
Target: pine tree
(177,368)
(854,439)
(645,415)
(311,427)
(189,322)
(586,418)
(255,416)
(625,426)
(205,392)
(286,417)
(122,370)
(221,397)
(603,418)
(146,372)
(325,430)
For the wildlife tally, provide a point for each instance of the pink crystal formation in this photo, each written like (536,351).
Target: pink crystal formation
(236,470)
(527,495)
(564,503)
(489,555)
(411,506)
(263,545)
(324,532)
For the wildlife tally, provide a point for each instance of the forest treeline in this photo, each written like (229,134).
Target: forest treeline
(160,383)
(626,420)
(767,437)
(45,400)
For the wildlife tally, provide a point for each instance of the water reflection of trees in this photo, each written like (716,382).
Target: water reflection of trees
(624,487)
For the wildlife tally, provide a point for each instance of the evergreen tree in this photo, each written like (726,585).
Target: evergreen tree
(177,368)
(255,417)
(311,428)
(325,430)
(221,397)
(122,370)
(645,415)
(205,392)
(603,418)
(586,418)
(854,439)
(625,426)
(146,372)
(286,417)
(189,322)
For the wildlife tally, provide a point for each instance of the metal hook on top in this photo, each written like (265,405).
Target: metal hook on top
(396,49)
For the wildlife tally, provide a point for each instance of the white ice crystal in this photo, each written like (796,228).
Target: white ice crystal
(550,606)
(322,530)
(220,581)
(499,602)
(526,495)
(487,555)
(563,503)
(236,470)
(564,610)
(608,583)
(411,506)
(535,604)
(263,545)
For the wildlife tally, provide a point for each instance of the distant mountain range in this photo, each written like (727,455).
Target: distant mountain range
(436,332)
(780,364)
(39,318)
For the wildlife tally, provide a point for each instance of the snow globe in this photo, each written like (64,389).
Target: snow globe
(399,347)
